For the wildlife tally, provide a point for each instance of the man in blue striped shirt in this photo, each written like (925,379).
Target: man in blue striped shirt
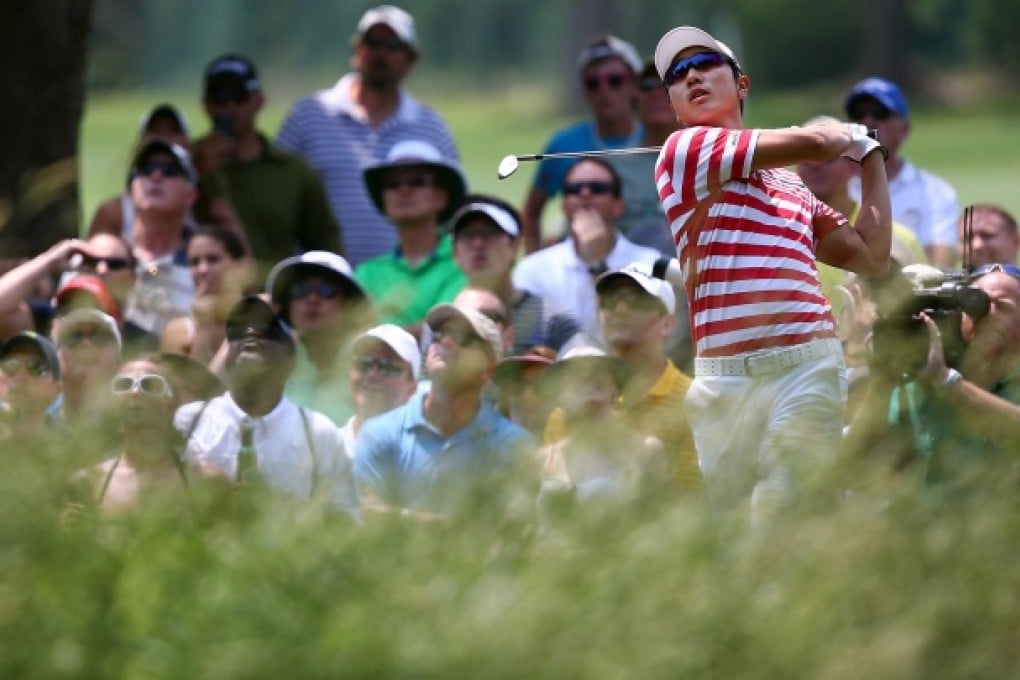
(354,124)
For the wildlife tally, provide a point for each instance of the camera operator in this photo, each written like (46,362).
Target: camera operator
(952,413)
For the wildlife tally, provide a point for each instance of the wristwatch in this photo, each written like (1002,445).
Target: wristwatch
(952,377)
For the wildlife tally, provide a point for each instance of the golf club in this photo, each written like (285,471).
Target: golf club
(509,164)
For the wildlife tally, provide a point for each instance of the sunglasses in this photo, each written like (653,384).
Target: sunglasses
(984,269)
(860,110)
(325,290)
(150,384)
(166,169)
(414,181)
(227,96)
(13,365)
(261,331)
(378,42)
(649,84)
(595,188)
(385,367)
(114,264)
(633,298)
(700,61)
(78,336)
(614,81)
(461,337)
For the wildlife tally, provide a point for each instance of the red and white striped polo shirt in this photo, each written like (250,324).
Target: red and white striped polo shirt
(746,243)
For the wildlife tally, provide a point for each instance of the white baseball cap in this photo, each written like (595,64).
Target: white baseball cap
(610,46)
(483,326)
(400,21)
(679,39)
(503,219)
(86,315)
(641,274)
(397,339)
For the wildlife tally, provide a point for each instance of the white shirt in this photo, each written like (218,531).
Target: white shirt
(922,202)
(163,290)
(556,273)
(285,459)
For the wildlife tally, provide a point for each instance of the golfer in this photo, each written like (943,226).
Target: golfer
(767,402)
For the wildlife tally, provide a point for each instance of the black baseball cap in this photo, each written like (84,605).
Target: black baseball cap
(254,313)
(36,344)
(231,76)
(156,145)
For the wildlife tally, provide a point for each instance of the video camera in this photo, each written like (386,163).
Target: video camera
(900,337)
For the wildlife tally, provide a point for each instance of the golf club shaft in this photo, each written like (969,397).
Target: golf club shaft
(586,154)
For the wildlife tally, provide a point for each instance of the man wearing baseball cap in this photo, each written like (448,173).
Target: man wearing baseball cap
(384,373)
(279,198)
(342,130)
(447,452)
(767,401)
(317,294)
(607,69)
(30,374)
(924,203)
(486,237)
(637,312)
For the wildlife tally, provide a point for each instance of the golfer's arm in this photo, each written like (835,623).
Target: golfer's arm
(874,219)
(782,147)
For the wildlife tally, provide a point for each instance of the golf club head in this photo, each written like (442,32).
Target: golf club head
(507,166)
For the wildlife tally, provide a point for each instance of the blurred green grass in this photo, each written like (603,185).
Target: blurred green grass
(976,150)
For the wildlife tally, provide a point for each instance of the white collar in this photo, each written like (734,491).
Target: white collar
(337,100)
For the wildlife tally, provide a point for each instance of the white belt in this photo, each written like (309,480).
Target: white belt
(768,361)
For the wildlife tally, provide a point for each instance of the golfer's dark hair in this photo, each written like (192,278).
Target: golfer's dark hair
(614,176)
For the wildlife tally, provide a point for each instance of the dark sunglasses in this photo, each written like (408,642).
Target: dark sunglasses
(860,110)
(98,338)
(701,61)
(378,42)
(385,367)
(112,263)
(150,384)
(166,169)
(227,96)
(414,181)
(259,330)
(613,81)
(633,298)
(13,365)
(325,290)
(984,269)
(649,84)
(596,188)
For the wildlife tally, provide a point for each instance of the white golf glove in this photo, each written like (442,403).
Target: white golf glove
(862,144)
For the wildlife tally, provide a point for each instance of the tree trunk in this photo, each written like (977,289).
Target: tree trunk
(591,18)
(885,50)
(43,46)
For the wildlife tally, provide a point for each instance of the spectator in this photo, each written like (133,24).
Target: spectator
(767,356)
(517,379)
(417,189)
(354,124)
(829,180)
(292,449)
(994,239)
(924,203)
(162,183)
(607,69)
(446,452)
(592,202)
(486,233)
(220,273)
(385,369)
(31,380)
(638,312)
(116,216)
(645,222)
(318,295)
(279,198)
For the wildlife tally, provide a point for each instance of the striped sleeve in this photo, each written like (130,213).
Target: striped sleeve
(697,161)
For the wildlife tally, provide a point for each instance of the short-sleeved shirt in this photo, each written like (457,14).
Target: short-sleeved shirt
(746,242)
(335,138)
(281,203)
(557,273)
(403,294)
(580,136)
(402,458)
(922,202)
(289,459)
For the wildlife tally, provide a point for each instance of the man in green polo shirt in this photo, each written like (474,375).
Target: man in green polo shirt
(279,198)
(416,189)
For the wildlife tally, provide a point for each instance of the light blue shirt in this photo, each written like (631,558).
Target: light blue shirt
(407,462)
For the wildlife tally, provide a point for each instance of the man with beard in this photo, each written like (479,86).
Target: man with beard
(253,431)
(354,124)
(446,452)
